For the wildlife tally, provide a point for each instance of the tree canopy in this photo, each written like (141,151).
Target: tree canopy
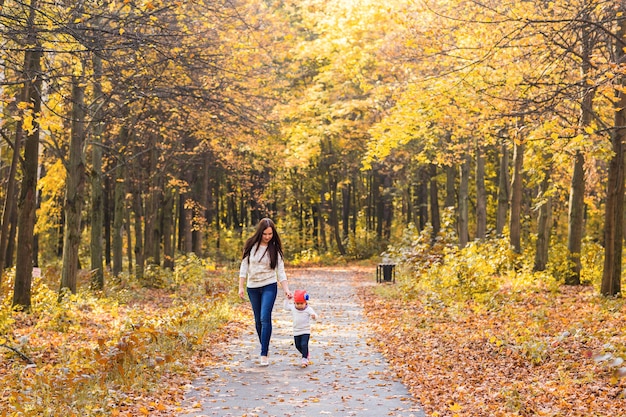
(344,121)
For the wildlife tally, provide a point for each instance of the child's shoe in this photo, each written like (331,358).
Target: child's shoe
(265,361)
(305,362)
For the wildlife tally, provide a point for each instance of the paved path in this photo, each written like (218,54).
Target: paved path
(346,378)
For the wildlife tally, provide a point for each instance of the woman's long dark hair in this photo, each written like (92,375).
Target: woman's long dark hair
(275,247)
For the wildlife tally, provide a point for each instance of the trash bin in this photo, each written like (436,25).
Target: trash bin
(386,273)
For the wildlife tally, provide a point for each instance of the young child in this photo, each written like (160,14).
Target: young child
(302,314)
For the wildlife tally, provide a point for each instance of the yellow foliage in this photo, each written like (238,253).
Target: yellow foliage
(92,351)
(28,122)
(52,187)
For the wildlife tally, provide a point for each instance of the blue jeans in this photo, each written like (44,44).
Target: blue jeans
(262,300)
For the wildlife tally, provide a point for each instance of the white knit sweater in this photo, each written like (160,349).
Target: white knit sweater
(256,268)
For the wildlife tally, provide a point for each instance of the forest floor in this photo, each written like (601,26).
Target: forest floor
(543,352)
(525,352)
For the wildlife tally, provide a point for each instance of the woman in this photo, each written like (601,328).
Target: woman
(263,266)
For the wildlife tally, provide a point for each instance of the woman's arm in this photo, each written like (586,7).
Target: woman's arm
(242,292)
(243,273)
(285,284)
(282,276)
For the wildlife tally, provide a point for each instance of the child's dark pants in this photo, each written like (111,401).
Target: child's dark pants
(302,344)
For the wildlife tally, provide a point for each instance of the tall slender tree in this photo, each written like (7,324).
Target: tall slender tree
(96,177)
(75,187)
(517,188)
(614,212)
(31,99)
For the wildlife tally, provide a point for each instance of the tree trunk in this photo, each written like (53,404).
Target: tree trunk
(138,210)
(150,216)
(187,221)
(386,206)
(346,193)
(463,217)
(614,214)
(12,240)
(9,202)
(218,212)
(544,224)
(434,201)
(40,175)
(232,218)
(130,249)
(450,185)
(503,189)
(203,195)
(422,197)
(334,217)
(74,191)
(106,207)
(316,226)
(31,73)
(577,188)
(369,175)
(118,220)
(168,227)
(180,215)
(97,194)
(409,201)
(377,202)
(481,194)
(575,220)
(355,204)
(515,223)
(321,223)
(27,200)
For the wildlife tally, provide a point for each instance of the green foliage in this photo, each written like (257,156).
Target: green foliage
(559,264)
(307,257)
(592,261)
(156,277)
(419,249)
(189,270)
(472,272)
(230,245)
(438,265)
(311,257)
(534,350)
(364,246)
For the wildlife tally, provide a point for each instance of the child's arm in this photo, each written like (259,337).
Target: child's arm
(312,313)
(287,304)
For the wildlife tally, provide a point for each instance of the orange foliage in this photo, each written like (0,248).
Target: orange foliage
(88,346)
(534,355)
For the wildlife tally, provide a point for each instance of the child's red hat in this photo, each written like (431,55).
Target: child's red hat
(300,296)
